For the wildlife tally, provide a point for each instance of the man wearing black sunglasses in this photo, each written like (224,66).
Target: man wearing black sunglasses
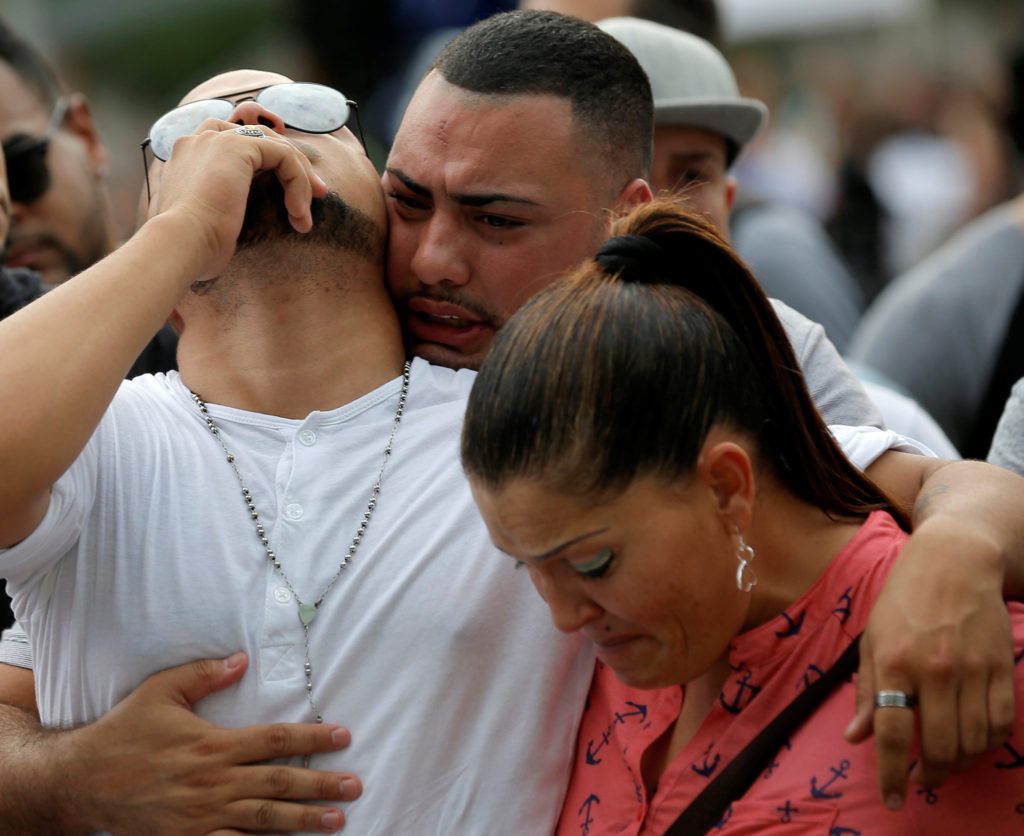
(62,215)
(18,286)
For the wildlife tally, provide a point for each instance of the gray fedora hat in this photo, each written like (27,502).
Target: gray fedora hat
(692,83)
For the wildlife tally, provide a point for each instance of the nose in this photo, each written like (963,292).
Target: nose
(441,255)
(571,608)
(250,112)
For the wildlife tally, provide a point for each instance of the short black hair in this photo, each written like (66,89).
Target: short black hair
(29,64)
(540,52)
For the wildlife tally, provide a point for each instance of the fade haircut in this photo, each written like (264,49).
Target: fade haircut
(546,53)
(29,64)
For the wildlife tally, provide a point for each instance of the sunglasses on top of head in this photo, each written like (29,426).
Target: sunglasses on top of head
(28,175)
(302,106)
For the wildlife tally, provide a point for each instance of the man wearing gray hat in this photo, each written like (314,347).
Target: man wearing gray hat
(702,125)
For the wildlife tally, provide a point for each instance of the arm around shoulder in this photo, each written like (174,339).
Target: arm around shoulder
(939,630)
(969,501)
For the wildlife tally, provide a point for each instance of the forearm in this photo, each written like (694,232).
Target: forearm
(972,499)
(969,502)
(938,630)
(63,357)
(33,781)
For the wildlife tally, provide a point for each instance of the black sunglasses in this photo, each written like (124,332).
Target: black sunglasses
(302,106)
(28,176)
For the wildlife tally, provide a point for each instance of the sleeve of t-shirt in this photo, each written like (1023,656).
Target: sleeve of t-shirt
(28,564)
(863,445)
(835,389)
(15,649)
(1008,443)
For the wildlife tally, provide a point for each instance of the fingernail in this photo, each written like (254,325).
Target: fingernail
(894,801)
(331,821)
(233,661)
(341,737)
(349,787)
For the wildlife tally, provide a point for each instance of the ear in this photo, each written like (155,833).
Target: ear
(635,193)
(730,192)
(79,121)
(725,467)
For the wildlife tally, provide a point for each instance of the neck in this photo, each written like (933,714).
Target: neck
(794,543)
(290,343)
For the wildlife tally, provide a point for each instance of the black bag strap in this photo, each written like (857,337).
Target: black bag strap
(1008,369)
(708,808)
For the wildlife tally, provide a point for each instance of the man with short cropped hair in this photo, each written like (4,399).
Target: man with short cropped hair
(61,212)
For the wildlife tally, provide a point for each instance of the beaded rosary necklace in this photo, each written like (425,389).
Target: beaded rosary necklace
(308,612)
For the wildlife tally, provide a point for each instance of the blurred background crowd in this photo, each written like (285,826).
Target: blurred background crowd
(894,125)
(893,121)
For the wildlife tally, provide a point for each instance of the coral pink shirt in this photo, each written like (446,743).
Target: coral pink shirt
(817,783)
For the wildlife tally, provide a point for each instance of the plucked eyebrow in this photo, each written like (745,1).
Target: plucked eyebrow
(540,558)
(462,199)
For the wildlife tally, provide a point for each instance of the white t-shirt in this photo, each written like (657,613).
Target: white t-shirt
(462,698)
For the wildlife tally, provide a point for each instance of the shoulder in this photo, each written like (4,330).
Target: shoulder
(438,385)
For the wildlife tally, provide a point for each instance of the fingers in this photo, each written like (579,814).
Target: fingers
(292,168)
(192,681)
(271,793)
(278,781)
(206,185)
(894,741)
(973,715)
(1001,706)
(862,723)
(284,740)
(259,815)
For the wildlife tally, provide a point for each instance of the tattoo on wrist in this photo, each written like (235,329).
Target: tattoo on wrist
(924,501)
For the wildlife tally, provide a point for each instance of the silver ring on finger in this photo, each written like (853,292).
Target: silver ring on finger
(250,130)
(894,699)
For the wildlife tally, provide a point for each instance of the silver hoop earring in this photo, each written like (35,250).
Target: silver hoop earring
(746,577)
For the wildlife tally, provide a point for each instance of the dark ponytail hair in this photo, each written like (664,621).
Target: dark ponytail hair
(621,369)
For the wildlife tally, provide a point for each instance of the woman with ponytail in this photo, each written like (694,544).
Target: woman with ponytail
(641,439)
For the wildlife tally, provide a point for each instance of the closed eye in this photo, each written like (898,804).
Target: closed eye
(596,567)
(499,222)
(407,201)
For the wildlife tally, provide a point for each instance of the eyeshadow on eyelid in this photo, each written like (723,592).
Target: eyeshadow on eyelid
(602,557)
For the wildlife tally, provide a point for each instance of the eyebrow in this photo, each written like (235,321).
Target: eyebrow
(540,558)
(462,199)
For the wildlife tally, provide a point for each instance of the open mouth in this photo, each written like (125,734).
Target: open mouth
(446,319)
(445,323)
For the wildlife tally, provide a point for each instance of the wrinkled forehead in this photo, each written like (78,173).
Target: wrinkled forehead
(231,83)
